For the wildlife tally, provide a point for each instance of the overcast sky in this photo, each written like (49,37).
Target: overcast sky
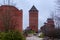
(44,6)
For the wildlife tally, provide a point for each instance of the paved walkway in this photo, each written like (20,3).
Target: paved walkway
(37,38)
(33,38)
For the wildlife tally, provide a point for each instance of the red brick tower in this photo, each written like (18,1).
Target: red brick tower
(10,18)
(33,19)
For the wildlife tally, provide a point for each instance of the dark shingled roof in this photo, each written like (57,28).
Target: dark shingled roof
(33,8)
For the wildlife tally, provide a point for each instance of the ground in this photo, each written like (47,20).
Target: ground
(33,38)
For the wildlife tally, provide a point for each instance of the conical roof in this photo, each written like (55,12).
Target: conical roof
(33,8)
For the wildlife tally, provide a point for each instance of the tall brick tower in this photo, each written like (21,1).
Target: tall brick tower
(10,18)
(33,18)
